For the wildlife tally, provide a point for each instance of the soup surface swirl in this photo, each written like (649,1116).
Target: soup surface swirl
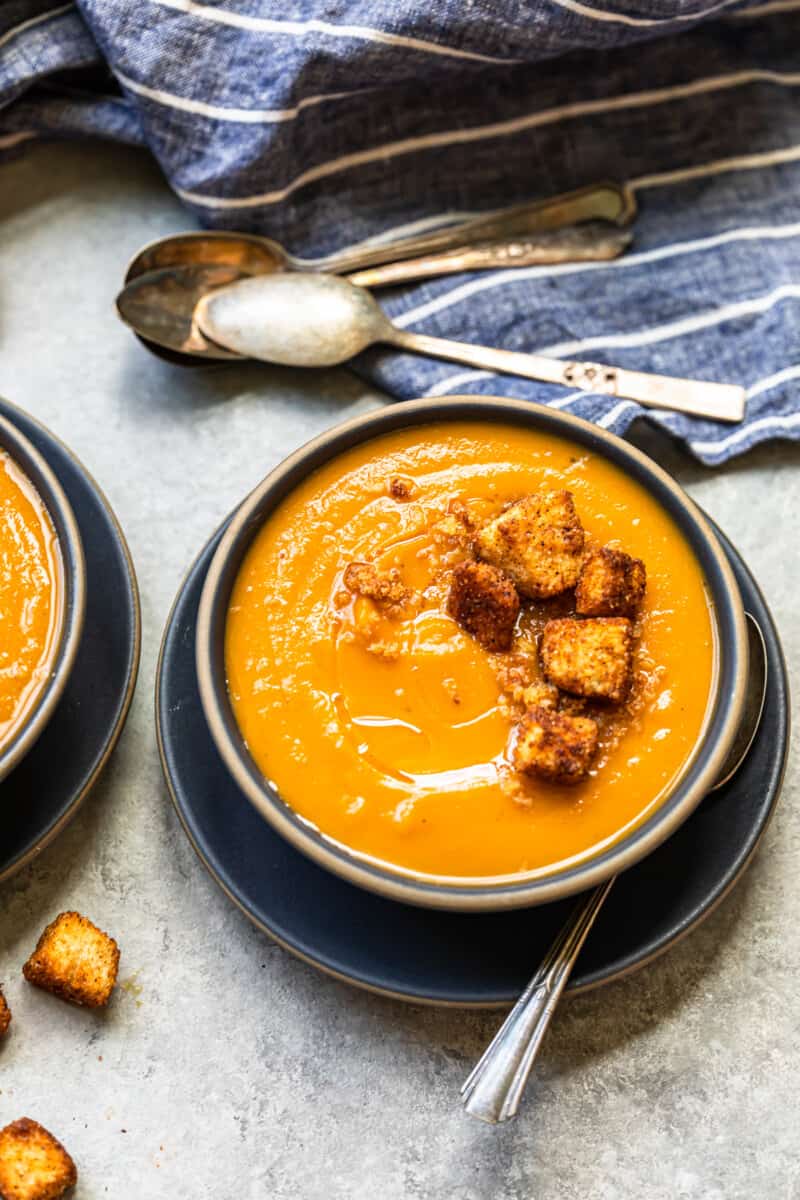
(389,730)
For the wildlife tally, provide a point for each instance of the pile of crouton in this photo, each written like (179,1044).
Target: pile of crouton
(78,962)
(535,550)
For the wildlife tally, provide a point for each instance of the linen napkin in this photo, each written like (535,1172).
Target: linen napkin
(333,123)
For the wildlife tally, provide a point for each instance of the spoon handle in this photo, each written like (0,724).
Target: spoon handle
(592,242)
(717,401)
(612,202)
(493,1091)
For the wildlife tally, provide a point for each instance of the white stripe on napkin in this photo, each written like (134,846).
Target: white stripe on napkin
(247,116)
(449,385)
(618,18)
(579,108)
(456,381)
(673,329)
(365,33)
(397,232)
(753,233)
(771,381)
(610,417)
(776,425)
(54,12)
(742,162)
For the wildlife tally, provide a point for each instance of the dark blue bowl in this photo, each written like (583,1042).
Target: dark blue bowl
(728,686)
(58,507)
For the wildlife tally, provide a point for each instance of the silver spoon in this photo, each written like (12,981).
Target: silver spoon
(252,254)
(494,1089)
(322,320)
(159,304)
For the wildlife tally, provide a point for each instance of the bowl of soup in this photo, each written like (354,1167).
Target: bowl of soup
(471,653)
(42,589)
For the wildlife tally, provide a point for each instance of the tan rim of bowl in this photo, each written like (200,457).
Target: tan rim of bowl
(59,509)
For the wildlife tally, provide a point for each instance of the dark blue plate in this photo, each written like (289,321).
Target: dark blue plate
(437,957)
(41,795)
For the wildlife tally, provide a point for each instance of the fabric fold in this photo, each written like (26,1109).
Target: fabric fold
(333,123)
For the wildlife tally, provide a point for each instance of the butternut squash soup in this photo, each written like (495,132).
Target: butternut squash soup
(470,650)
(31,597)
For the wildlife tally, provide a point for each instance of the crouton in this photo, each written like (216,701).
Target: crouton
(74,960)
(385,588)
(540,695)
(592,658)
(554,746)
(485,602)
(5,1014)
(611,584)
(33,1164)
(538,542)
(456,529)
(515,672)
(401,488)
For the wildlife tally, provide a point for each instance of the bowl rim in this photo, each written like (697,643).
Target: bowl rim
(33,464)
(480,894)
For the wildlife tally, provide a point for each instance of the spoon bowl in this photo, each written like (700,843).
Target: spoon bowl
(297,320)
(247,253)
(159,307)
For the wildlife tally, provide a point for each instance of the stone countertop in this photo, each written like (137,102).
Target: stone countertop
(226,1068)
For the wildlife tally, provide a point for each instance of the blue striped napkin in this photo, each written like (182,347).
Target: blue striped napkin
(343,121)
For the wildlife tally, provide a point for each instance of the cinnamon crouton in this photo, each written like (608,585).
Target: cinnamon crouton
(33,1164)
(485,602)
(386,588)
(538,542)
(74,960)
(5,1014)
(554,746)
(540,695)
(400,488)
(611,584)
(591,658)
(456,529)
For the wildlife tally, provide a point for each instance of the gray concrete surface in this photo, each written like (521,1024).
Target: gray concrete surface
(225,1068)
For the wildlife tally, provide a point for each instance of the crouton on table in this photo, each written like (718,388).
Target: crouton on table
(538,542)
(592,658)
(611,584)
(33,1164)
(554,746)
(5,1014)
(484,601)
(74,960)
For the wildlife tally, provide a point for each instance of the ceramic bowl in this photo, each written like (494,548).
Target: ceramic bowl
(728,685)
(25,455)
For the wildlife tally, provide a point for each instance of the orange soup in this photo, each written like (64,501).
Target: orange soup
(388,726)
(31,596)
